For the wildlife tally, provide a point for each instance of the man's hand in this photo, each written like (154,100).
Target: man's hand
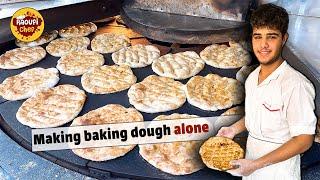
(232,130)
(228,132)
(245,167)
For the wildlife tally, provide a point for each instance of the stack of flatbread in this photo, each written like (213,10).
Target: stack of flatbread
(21,57)
(177,158)
(27,83)
(217,152)
(111,113)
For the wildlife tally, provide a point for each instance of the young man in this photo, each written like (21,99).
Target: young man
(279,105)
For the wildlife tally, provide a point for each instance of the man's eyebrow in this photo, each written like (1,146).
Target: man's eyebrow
(256,34)
(275,34)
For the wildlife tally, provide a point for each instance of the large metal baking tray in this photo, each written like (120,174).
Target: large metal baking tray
(131,165)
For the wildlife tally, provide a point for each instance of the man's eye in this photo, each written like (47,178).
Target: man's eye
(273,37)
(257,37)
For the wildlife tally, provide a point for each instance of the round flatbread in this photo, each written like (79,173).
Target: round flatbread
(177,158)
(109,43)
(225,57)
(136,56)
(244,72)
(63,46)
(21,57)
(79,30)
(178,66)
(217,152)
(52,107)
(78,62)
(43,39)
(213,92)
(27,83)
(108,79)
(111,113)
(157,94)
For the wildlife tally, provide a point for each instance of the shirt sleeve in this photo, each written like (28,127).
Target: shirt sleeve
(300,112)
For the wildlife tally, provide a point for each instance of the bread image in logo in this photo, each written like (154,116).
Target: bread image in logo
(27,24)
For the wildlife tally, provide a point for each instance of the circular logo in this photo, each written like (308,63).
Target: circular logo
(27,24)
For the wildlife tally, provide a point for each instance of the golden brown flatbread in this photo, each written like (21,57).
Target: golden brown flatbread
(108,79)
(217,152)
(214,92)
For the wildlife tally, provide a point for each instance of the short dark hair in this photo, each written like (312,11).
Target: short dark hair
(271,16)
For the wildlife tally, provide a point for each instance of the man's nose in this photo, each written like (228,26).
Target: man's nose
(264,43)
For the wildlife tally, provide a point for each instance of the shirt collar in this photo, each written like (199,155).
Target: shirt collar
(274,75)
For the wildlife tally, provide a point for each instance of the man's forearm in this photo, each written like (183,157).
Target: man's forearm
(239,126)
(295,146)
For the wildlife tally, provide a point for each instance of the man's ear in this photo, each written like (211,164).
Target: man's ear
(284,39)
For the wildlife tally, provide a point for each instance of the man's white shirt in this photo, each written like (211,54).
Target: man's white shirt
(280,107)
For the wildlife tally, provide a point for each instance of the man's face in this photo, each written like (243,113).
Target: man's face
(267,44)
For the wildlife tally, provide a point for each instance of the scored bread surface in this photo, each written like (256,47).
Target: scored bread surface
(178,66)
(21,57)
(27,83)
(111,113)
(63,46)
(157,94)
(78,30)
(108,79)
(109,43)
(136,56)
(217,152)
(52,107)
(78,62)
(226,57)
(214,92)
